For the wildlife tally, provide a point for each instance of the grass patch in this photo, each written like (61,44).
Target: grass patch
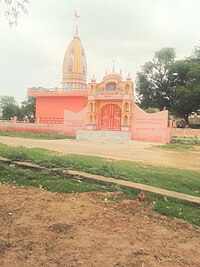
(179,209)
(177,147)
(63,183)
(183,181)
(52,181)
(186,141)
(36,135)
(182,145)
(20,153)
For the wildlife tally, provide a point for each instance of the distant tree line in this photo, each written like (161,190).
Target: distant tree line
(10,108)
(166,83)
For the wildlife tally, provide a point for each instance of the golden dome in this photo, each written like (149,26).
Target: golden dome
(74,65)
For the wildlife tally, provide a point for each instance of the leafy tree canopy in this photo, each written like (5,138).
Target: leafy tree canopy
(164,82)
(155,81)
(196,54)
(9,107)
(187,86)
(28,108)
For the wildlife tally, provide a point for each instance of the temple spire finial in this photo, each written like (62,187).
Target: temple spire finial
(76,33)
(75,30)
(113,65)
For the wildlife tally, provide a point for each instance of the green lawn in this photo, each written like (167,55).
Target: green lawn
(36,135)
(183,181)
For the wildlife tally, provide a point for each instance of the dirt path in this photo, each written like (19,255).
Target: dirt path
(132,150)
(40,228)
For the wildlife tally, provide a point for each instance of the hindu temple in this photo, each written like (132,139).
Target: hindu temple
(107,105)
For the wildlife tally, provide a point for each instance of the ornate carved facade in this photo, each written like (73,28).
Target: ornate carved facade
(110,103)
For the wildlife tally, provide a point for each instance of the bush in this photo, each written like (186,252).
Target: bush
(195,126)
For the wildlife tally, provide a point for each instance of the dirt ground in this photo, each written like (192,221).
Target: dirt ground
(131,150)
(40,228)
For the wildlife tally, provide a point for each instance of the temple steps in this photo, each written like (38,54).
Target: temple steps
(111,136)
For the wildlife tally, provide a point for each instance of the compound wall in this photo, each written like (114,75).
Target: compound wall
(151,127)
(35,128)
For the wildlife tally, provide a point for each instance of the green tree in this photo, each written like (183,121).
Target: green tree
(195,54)
(9,107)
(175,85)
(28,108)
(155,83)
(187,87)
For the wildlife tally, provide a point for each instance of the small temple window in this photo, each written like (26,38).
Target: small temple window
(126,107)
(111,86)
(126,120)
(127,89)
(90,119)
(91,107)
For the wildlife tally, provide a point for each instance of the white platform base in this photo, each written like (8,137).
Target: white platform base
(103,135)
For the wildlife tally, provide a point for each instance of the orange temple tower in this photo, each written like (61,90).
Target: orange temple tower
(51,102)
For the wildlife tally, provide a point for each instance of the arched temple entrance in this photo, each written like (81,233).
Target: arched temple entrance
(110,118)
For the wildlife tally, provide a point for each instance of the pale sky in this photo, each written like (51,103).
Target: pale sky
(127,31)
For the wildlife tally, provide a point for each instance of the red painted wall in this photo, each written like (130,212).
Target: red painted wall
(53,107)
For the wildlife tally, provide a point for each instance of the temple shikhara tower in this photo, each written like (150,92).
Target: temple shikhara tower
(102,106)
(72,96)
(74,68)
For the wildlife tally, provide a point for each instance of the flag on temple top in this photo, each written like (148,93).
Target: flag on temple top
(76,16)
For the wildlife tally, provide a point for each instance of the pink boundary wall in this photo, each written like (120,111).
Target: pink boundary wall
(146,127)
(60,128)
(74,121)
(35,128)
(151,127)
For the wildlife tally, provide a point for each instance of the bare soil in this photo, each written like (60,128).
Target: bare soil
(143,152)
(40,228)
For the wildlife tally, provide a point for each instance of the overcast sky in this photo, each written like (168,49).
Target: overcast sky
(127,31)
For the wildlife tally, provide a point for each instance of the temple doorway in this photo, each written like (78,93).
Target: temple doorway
(110,118)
